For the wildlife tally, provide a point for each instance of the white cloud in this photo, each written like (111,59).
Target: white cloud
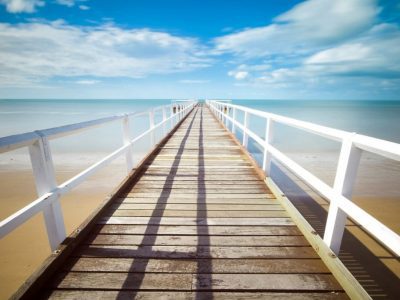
(258,67)
(307,26)
(193,81)
(317,45)
(239,75)
(21,6)
(71,3)
(39,51)
(87,82)
(367,62)
(29,6)
(376,53)
(68,3)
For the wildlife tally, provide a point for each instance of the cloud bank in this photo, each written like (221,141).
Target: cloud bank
(309,25)
(316,45)
(317,42)
(22,6)
(38,51)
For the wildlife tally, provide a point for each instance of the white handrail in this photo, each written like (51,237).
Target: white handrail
(13,142)
(42,164)
(340,194)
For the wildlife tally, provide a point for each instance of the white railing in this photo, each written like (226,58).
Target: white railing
(340,194)
(43,169)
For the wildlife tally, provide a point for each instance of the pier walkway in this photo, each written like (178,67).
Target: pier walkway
(195,221)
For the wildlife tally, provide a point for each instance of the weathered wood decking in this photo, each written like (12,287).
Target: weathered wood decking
(197,223)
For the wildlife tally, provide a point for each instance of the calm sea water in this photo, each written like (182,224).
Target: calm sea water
(380,119)
(18,116)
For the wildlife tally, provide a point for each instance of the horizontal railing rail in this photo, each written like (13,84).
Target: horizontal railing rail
(339,195)
(43,169)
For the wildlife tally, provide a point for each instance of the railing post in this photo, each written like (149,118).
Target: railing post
(181,112)
(127,140)
(151,121)
(245,125)
(45,180)
(164,118)
(171,111)
(226,110)
(233,120)
(346,173)
(269,132)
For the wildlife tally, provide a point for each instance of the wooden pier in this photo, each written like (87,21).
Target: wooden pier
(194,221)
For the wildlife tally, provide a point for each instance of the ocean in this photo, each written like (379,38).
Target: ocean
(379,119)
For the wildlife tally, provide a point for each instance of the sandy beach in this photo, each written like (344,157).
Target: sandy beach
(17,190)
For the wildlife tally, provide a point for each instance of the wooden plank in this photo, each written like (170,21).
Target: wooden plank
(197,230)
(196,195)
(255,187)
(196,221)
(210,181)
(147,295)
(194,200)
(194,213)
(224,180)
(198,169)
(197,147)
(123,281)
(176,190)
(184,252)
(266,282)
(214,152)
(186,240)
(216,266)
(196,156)
(223,177)
(202,164)
(236,184)
(204,175)
(198,207)
(176,173)
(193,161)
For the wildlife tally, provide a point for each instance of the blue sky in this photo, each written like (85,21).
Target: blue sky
(253,49)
